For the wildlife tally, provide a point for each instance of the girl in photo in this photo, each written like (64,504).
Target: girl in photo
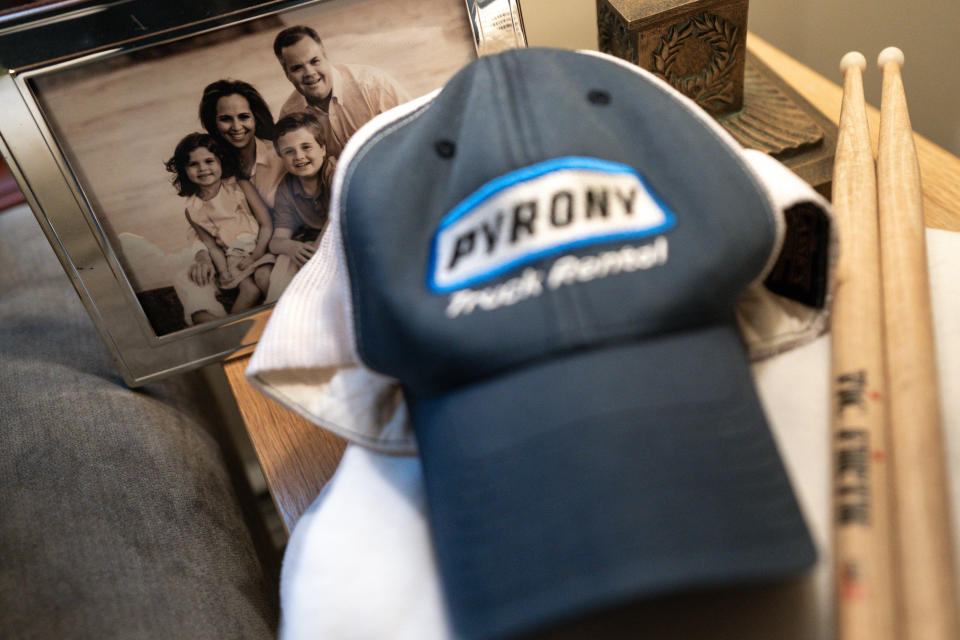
(236,115)
(228,214)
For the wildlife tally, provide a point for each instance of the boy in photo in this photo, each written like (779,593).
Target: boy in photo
(302,197)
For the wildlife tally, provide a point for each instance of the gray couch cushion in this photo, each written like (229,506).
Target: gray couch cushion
(117,515)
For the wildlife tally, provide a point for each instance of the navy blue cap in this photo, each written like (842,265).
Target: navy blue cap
(547,256)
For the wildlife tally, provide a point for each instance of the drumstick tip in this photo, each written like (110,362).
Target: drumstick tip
(890,54)
(852,59)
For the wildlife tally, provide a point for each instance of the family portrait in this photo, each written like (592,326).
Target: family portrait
(208,162)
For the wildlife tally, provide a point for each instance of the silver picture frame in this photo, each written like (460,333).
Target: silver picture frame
(95,96)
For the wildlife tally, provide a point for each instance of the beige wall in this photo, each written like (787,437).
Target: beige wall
(568,24)
(818,33)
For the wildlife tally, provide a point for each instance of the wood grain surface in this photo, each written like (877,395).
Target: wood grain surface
(927,584)
(297,457)
(863,550)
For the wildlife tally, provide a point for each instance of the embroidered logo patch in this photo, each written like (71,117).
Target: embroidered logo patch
(537,211)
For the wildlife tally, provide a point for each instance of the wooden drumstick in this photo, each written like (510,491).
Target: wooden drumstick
(925,569)
(862,545)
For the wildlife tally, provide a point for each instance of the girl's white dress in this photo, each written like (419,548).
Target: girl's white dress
(228,218)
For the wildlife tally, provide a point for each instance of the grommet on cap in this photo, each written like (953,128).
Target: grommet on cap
(598,96)
(445,148)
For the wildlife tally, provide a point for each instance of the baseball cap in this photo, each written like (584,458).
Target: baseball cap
(538,267)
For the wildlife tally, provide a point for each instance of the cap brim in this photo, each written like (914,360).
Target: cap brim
(604,475)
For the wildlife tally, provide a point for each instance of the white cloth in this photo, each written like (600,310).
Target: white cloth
(359,562)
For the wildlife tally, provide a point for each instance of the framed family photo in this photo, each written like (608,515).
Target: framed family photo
(178,155)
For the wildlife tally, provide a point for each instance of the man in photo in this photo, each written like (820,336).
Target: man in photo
(348,94)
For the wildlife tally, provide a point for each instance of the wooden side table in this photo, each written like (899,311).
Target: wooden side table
(298,457)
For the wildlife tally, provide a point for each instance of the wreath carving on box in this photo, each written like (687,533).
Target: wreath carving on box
(712,87)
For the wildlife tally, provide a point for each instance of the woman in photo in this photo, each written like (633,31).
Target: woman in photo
(237,117)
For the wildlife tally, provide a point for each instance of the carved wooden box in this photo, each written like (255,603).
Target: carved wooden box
(698,46)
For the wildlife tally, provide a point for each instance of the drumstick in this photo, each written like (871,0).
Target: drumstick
(863,549)
(928,592)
